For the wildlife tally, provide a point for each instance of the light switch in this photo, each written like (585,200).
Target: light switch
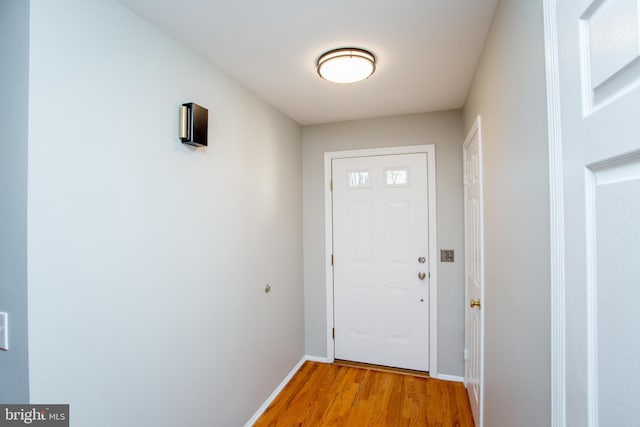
(4,331)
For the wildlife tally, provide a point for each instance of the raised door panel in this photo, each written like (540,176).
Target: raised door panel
(614,289)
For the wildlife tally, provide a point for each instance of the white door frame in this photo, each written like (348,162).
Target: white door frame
(430,150)
(556,201)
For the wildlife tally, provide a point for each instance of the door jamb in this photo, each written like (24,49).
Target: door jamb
(430,150)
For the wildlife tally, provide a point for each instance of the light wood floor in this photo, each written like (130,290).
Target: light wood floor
(321,394)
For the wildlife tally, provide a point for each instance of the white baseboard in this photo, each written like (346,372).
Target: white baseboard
(316,359)
(453,378)
(278,389)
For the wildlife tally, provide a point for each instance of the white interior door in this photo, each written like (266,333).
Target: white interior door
(381,260)
(599,64)
(474,270)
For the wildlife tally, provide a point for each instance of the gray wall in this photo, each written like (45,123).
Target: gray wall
(148,259)
(14,105)
(508,90)
(444,129)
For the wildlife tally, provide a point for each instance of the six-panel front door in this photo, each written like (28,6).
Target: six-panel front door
(381,264)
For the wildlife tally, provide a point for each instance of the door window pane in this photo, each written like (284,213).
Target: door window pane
(359,179)
(396,177)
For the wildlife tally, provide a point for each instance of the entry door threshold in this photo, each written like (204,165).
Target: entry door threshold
(380,368)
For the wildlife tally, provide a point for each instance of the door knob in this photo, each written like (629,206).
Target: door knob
(474,303)
(421,275)
(422,260)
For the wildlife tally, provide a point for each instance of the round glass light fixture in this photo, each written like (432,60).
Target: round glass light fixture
(346,65)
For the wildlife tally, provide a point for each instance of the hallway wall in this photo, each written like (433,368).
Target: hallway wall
(14,119)
(509,92)
(148,259)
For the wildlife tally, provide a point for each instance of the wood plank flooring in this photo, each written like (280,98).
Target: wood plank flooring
(321,394)
(381,368)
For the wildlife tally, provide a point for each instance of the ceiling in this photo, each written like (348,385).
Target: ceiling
(426,50)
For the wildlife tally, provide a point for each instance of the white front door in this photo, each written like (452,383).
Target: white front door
(381,260)
(474,270)
(599,64)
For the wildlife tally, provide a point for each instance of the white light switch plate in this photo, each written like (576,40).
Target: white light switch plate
(4,331)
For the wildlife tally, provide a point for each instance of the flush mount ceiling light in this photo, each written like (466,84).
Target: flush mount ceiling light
(346,65)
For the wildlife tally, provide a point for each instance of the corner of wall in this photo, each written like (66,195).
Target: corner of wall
(14,85)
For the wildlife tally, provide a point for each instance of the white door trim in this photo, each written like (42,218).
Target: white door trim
(433,247)
(556,199)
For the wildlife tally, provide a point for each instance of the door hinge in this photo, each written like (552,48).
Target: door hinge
(465,354)
(330,185)
(333,333)
(331,259)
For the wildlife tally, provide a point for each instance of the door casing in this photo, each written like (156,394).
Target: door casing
(433,285)
(556,220)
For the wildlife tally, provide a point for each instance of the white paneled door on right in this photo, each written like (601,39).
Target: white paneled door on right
(474,271)
(599,80)
(381,269)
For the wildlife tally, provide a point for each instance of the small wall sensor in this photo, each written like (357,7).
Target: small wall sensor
(194,124)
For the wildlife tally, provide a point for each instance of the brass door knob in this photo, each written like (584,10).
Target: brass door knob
(474,303)
(422,275)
